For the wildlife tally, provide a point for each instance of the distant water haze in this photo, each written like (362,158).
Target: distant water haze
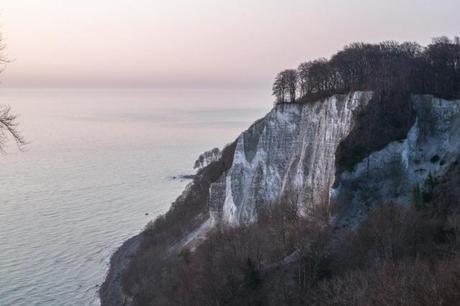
(198,42)
(97,161)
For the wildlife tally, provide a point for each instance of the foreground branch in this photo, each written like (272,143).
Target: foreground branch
(9,127)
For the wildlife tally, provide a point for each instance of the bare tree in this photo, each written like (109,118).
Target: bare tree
(441,40)
(292,81)
(9,126)
(305,78)
(8,120)
(3,59)
(285,86)
(280,88)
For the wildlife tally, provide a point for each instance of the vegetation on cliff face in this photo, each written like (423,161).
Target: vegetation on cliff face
(403,256)
(156,251)
(399,255)
(393,71)
(387,118)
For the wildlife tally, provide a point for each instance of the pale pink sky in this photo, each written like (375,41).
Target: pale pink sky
(198,42)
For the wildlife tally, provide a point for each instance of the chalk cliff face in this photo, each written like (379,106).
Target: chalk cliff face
(290,151)
(394,173)
(295,151)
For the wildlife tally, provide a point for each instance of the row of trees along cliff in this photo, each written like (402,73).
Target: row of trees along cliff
(385,67)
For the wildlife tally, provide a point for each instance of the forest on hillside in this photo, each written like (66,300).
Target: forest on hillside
(384,67)
(399,255)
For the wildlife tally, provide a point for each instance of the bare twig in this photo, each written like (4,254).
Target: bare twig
(9,127)
(8,121)
(3,58)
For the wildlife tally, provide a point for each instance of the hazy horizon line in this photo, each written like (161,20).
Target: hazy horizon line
(240,87)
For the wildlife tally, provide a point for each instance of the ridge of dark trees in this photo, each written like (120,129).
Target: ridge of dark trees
(384,67)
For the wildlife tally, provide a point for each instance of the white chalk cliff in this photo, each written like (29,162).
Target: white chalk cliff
(431,147)
(291,151)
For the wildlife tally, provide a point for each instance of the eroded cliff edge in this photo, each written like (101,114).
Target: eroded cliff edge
(289,152)
(297,151)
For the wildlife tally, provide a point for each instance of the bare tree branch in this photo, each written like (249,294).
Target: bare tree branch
(3,58)
(8,120)
(9,127)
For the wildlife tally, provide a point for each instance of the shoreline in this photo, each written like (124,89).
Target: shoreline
(198,223)
(110,292)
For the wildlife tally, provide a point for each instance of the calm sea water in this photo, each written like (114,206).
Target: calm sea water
(97,162)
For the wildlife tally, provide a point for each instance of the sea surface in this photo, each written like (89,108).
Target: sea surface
(100,164)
